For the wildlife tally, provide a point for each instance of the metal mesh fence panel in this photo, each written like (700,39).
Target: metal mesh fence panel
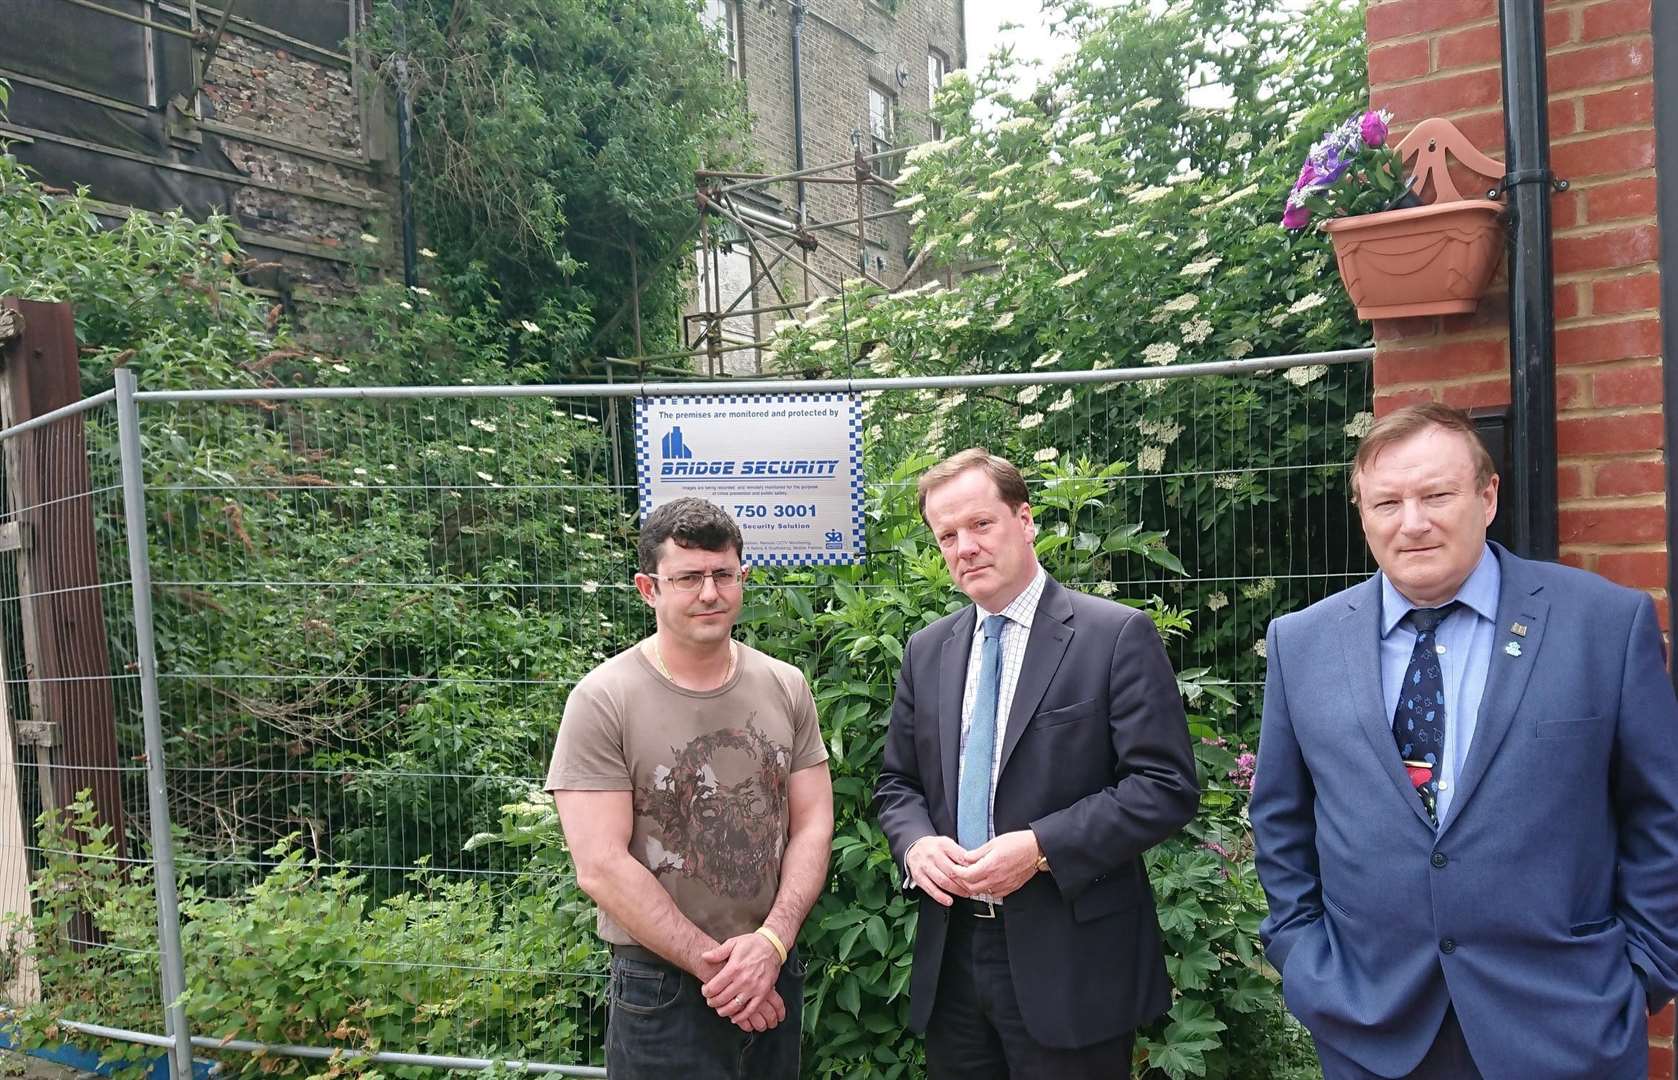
(369,612)
(73,809)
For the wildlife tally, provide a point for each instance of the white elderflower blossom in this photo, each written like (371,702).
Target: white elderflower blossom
(1259,589)
(1151,459)
(405,306)
(966,240)
(1160,352)
(824,345)
(486,477)
(1201,267)
(419,291)
(1002,243)
(1361,424)
(904,174)
(342,369)
(935,430)
(1062,403)
(927,149)
(1071,279)
(1030,395)
(1030,421)
(369,238)
(1048,359)
(1145,104)
(1304,376)
(918,216)
(1004,321)
(989,196)
(910,200)
(966,219)
(1075,204)
(428,253)
(1105,588)
(1307,302)
(1088,176)
(783,325)
(957,324)
(1108,234)
(360,472)
(1226,481)
(1239,141)
(1217,602)
(1196,330)
(1258,648)
(1083,140)
(1187,176)
(1150,194)
(1006,170)
(1239,349)
(1016,123)
(1048,453)
(529,327)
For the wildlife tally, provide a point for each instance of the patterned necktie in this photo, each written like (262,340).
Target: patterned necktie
(1419,720)
(973,786)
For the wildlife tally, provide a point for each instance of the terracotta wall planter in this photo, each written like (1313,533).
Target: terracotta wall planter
(1424,260)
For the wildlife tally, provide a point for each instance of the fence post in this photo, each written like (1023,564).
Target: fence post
(157,797)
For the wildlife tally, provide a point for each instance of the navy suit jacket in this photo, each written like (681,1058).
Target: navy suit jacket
(1545,908)
(1096,761)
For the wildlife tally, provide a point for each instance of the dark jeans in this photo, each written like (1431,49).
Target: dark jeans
(976,1031)
(660,1028)
(1447,1058)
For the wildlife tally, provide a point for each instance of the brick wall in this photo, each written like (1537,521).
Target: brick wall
(1441,58)
(848,45)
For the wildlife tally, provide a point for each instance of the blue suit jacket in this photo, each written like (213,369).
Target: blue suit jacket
(1546,907)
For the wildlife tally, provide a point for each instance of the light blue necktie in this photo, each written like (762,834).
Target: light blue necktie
(973,797)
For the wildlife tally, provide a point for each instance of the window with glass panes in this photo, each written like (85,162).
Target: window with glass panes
(882,128)
(936,67)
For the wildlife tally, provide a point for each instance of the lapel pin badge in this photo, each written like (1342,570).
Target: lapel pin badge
(1519,629)
(1513,648)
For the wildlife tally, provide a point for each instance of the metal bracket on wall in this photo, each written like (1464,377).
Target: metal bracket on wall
(1528,176)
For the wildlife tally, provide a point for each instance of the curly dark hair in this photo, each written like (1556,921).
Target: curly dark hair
(692,523)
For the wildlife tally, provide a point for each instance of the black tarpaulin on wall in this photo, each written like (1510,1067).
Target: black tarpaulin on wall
(77,47)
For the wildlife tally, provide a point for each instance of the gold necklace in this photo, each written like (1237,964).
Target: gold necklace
(658,658)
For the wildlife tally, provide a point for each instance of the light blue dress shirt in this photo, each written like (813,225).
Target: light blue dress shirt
(1464,642)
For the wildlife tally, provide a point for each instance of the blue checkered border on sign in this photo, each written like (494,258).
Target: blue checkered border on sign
(644,461)
(643,458)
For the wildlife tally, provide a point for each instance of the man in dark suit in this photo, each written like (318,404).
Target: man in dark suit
(1466,798)
(1037,748)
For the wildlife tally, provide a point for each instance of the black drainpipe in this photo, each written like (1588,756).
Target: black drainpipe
(798,105)
(1532,316)
(1666,184)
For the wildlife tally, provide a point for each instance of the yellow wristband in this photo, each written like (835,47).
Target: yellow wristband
(773,939)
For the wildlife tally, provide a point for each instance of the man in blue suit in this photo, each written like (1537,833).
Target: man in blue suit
(1466,798)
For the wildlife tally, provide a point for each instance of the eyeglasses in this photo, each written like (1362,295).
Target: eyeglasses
(693,581)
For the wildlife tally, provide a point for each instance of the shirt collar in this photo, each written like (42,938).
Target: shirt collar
(1022,607)
(1479,593)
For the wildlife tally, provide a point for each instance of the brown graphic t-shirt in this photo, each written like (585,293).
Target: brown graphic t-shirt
(709,774)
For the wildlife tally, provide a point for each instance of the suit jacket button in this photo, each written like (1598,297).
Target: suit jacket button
(1449,945)
(1439,859)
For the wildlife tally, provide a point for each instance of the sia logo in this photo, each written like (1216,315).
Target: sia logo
(724,835)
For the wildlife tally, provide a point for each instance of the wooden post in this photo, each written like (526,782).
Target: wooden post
(49,503)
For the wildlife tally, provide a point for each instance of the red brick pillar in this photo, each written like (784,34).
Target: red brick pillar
(1441,58)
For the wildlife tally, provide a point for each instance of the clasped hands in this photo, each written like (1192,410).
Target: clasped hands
(943,869)
(738,981)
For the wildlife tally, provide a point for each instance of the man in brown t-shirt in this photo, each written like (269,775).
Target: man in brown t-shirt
(692,785)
